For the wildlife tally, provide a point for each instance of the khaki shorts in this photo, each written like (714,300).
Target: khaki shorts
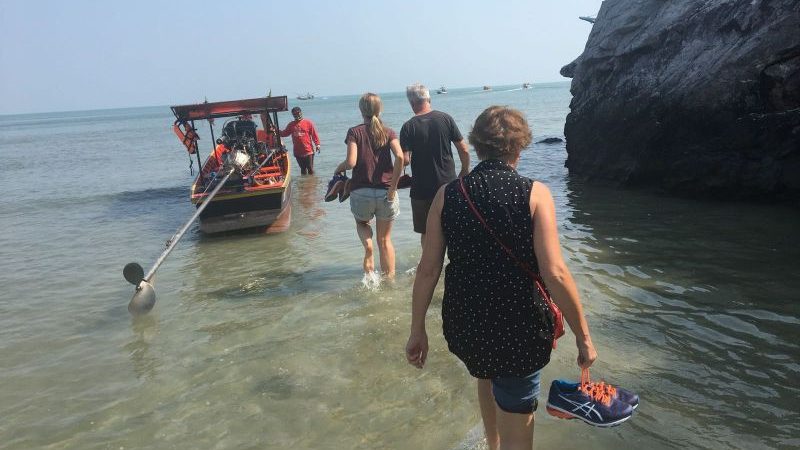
(366,203)
(419,213)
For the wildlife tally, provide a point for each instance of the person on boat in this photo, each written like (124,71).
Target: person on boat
(305,140)
(242,128)
(220,150)
(426,139)
(373,186)
(216,160)
(268,135)
(265,137)
(485,287)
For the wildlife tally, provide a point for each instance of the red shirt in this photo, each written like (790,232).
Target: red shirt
(303,133)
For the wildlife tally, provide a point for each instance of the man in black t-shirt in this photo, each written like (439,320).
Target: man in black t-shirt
(425,139)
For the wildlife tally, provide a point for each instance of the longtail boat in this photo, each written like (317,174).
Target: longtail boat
(257,194)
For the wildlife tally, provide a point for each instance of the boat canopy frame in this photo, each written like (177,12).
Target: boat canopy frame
(185,115)
(214,110)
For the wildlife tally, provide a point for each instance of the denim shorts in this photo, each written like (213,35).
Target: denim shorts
(517,394)
(366,203)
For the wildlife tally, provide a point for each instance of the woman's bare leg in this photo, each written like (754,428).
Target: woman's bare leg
(486,402)
(515,430)
(385,247)
(364,231)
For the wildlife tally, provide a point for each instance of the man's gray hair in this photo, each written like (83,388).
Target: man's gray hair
(417,93)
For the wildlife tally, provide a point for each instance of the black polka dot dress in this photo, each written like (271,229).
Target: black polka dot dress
(493,317)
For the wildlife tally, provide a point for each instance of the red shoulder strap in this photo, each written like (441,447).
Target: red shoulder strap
(522,264)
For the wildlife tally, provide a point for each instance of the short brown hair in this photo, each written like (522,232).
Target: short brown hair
(500,132)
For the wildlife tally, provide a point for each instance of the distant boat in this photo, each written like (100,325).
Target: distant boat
(306,96)
(588,19)
(526,85)
(487,88)
(441,90)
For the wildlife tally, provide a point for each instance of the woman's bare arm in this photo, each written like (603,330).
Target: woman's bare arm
(394,145)
(555,272)
(351,159)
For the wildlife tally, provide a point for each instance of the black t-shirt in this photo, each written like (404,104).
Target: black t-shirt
(428,137)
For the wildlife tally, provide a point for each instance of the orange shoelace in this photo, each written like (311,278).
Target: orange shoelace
(598,391)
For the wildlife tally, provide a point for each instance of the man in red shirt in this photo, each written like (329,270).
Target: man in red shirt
(304,138)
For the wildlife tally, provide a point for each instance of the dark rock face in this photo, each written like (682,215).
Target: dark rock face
(696,97)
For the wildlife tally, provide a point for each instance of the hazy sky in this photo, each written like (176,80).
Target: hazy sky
(81,54)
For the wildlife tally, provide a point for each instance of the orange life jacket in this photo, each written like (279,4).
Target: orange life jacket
(187,135)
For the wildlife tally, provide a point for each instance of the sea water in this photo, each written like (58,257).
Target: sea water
(274,342)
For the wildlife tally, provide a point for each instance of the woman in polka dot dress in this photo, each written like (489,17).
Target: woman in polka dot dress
(494,319)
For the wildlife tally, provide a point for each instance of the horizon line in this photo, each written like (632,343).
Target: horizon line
(109,108)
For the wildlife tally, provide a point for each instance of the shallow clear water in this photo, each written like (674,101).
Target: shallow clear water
(271,342)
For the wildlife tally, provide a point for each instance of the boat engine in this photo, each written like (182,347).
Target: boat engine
(246,152)
(239,158)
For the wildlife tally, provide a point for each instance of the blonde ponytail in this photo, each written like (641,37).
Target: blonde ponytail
(377,133)
(371,106)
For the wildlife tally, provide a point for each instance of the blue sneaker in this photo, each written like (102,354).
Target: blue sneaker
(589,402)
(626,396)
(615,392)
(335,187)
(344,194)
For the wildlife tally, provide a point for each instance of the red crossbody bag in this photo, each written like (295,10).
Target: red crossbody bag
(558,318)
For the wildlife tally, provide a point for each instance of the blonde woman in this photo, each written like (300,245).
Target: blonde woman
(373,185)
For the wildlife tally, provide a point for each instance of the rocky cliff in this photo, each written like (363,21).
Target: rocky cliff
(698,97)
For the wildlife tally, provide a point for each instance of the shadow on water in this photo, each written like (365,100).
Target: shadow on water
(123,202)
(261,277)
(276,387)
(309,213)
(247,265)
(708,244)
(704,296)
(233,266)
(158,212)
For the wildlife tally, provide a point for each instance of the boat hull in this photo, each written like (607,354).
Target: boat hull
(242,206)
(272,211)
